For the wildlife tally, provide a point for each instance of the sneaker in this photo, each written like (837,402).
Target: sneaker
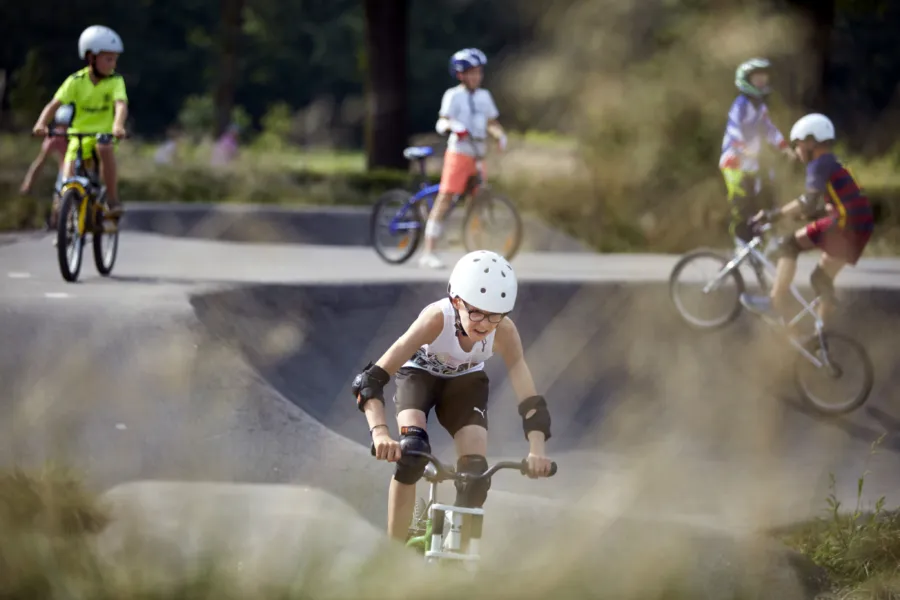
(430,261)
(762,306)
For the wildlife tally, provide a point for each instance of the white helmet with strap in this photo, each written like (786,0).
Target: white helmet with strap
(485,280)
(98,38)
(814,125)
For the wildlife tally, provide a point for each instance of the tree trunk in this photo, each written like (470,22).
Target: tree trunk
(232,16)
(819,16)
(386,24)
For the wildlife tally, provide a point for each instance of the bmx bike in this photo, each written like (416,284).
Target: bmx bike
(823,360)
(81,212)
(400,214)
(451,532)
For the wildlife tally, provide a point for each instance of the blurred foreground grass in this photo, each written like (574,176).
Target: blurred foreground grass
(50,524)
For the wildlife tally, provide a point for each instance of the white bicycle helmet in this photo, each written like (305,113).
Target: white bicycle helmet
(485,280)
(98,38)
(814,125)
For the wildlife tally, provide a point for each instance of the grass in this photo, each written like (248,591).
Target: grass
(860,550)
(548,175)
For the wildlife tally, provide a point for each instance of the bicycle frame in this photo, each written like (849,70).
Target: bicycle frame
(437,545)
(429,193)
(752,251)
(85,183)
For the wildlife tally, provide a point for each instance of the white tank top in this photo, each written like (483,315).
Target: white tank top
(444,357)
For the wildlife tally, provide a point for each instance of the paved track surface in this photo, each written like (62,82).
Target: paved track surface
(204,360)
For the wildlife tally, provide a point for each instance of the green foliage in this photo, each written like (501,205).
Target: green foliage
(859,548)
(197,116)
(28,92)
(277,124)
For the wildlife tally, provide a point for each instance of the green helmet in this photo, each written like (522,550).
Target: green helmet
(742,77)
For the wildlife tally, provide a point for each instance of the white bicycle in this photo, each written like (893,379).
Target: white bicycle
(450,531)
(824,360)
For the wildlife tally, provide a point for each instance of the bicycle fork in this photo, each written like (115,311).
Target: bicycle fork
(732,264)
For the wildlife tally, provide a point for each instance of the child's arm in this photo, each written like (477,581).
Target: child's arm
(35,166)
(424,330)
(811,201)
(445,114)
(776,138)
(120,116)
(509,345)
(493,126)
(43,120)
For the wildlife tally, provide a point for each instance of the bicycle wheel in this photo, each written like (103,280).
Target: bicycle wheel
(105,258)
(485,217)
(847,363)
(393,212)
(69,241)
(720,304)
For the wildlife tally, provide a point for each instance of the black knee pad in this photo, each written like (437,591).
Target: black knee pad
(410,469)
(787,247)
(474,494)
(821,283)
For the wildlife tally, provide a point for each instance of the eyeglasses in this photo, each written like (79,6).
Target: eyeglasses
(476,316)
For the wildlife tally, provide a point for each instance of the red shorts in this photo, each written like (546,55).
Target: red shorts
(457,170)
(845,244)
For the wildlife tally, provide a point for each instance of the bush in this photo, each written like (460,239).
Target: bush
(554,181)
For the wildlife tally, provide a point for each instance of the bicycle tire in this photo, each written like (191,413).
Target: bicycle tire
(415,235)
(731,314)
(70,202)
(480,199)
(97,240)
(859,399)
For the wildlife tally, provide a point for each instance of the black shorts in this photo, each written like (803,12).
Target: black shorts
(457,401)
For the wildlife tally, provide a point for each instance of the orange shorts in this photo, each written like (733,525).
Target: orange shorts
(457,170)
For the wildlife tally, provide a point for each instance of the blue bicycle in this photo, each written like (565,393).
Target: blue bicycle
(399,215)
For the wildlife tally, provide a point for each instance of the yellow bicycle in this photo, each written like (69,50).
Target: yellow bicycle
(81,212)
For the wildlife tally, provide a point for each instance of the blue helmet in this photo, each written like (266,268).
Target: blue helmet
(466,59)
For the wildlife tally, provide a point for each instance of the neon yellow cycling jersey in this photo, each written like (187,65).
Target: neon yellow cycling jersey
(94,104)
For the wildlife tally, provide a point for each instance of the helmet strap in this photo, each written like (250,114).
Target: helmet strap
(457,321)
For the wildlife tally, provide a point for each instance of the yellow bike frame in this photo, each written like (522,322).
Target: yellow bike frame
(80,187)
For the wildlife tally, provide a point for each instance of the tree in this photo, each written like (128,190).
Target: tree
(386,31)
(232,21)
(820,15)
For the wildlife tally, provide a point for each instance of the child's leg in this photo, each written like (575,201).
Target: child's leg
(462,411)
(786,269)
(402,492)
(742,197)
(455,175)
(822,281)
(108,173)
(413,399)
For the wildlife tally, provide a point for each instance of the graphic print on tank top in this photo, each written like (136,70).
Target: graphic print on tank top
(444,356)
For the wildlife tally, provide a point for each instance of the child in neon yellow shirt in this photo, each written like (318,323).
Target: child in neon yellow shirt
(101,106)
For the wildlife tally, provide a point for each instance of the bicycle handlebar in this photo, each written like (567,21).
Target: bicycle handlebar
(80,135)
(447,473)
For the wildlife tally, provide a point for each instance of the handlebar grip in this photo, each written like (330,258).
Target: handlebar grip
(372,448)
(552,469)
